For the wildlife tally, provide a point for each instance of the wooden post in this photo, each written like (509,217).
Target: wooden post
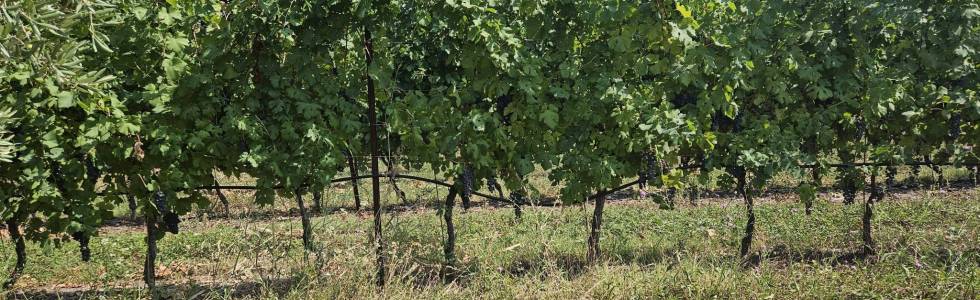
(149,265)
(375,180)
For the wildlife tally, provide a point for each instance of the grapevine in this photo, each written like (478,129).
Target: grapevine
(137,103)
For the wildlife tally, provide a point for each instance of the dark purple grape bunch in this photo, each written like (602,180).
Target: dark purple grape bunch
(467,181)
(849,185)
(976,174)
(83,244)
(56,173)
(502,103)
(92,171)
(642,180)
(890,173)
(170,219)
(693,194)
(652,170)
(861,127)
(493,185)
(670,196)
(683,99)
(877,192)
(517,197)
(954,126)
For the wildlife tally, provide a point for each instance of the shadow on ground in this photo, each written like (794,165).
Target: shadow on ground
(278,287)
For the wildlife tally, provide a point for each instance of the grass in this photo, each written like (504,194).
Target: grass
(929,247)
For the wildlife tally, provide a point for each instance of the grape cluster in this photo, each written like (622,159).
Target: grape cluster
(502,103)
(721,122)
(492,184)
(940,178)
(467,182)
(670,196)
(850,193)
(242,145)
(861,128)
(976,174)
(495,185)
(849,186)
(92,171)
(877,193)
(56,173)
(954,126)
(518,198)
(683,99)
(642,180)
(890,174)
(694,193)
(915,174)
(170,219)
(652,167)
(83,245)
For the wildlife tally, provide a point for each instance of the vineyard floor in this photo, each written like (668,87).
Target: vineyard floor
(929,247)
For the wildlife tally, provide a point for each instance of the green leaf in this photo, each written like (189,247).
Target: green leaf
(66,99)
(550,118)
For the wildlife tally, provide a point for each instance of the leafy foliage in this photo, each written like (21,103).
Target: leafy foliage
(111,98)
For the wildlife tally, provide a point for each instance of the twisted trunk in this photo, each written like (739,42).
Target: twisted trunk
(132,206)
(221,197)
(13,228)
(876,195)
(352,163)
(750,212)
(816,184)
(447,214)
(317,201)
(467,187)
(940,177)
(305,217)
(693,194)
(593,251)
(914,179)
(518,213)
